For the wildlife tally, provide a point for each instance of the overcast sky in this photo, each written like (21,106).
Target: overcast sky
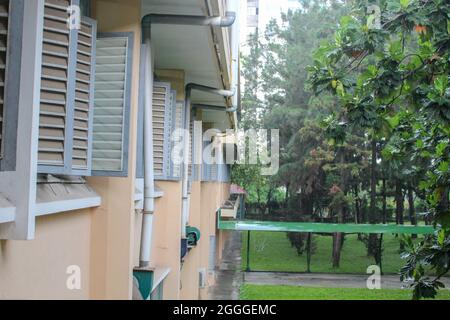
(272,8)
(268,10)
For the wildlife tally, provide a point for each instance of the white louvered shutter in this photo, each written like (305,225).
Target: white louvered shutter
(112,104)
(191,149)
(54,103)
(178,118)
(168,131)
(4,26)
(84,94)
(11,35)
(161,106)
(214,172)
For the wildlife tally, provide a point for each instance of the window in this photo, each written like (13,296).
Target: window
(206,168)
(11,19)
(112,104)
(191,167)
(66,106)
(161,120)
(168,116)
(178,123)
(83,131)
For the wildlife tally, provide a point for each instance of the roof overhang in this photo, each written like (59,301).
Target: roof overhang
(194,49)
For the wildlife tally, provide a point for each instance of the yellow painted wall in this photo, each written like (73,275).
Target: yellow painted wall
(102,241)
(99,241)
(167,236)
(206,198)
(166,244)
(37,269)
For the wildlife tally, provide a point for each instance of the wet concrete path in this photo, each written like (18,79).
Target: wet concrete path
(229,276)
(323,280)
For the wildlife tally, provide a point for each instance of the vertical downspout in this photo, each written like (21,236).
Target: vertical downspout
(149,182)
(235,55)
(185,205)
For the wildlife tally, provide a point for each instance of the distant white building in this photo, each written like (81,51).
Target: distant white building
(252,16)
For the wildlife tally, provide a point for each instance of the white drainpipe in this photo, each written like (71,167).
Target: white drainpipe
(149,182)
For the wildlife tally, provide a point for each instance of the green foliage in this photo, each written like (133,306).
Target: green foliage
(432,253)
(393,83)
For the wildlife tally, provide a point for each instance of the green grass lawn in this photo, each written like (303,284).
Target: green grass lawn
(272,251)
(257,292)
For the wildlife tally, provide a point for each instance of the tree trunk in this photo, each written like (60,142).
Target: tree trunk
(412,209)
(444,204)
(357,206)
(373,215)
(286,198)
(399,201)
(337,247)
(384,202)
(338,237)
(400,207)
(269,201)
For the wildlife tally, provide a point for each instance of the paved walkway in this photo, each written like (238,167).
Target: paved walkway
(322,280)
(229,276)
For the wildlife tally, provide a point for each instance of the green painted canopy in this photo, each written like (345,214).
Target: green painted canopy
(302,227)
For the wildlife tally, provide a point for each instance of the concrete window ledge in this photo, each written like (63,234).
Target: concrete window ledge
(139,195)
(7,210)
(59,195)
(159,193)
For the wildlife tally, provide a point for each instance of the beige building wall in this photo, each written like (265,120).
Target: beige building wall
(113,224)
(103,241)
(206,199)
(167,236)
(100,241)
(37,269)
(166,245)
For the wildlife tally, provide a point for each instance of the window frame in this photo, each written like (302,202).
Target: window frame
(8,147)
(167,125)
(172,126)
(128,83)
(67,167)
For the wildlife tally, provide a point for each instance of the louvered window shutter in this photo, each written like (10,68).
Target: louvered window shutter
(67,80)
(177,123)
(4,27)
(206,168)
(11,30)
(112,104)
(191,150)
(161,124)
(84,94)
(214,172)
(56,72)
(168,131)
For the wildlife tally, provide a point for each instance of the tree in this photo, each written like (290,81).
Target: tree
(397,77)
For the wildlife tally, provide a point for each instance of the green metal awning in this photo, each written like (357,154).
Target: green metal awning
(302,227)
